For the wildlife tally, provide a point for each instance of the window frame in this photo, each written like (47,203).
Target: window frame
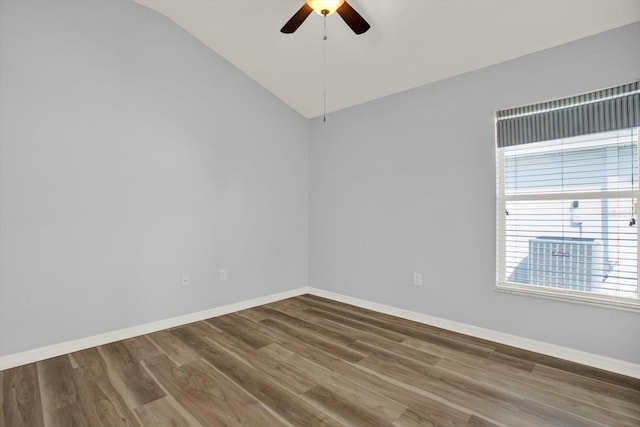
(543,291)
(610,109)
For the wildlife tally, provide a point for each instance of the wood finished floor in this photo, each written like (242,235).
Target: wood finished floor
(309,361)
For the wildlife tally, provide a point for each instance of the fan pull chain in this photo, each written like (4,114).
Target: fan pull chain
(324,71)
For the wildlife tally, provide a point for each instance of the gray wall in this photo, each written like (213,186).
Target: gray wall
(407,183)
(131,154)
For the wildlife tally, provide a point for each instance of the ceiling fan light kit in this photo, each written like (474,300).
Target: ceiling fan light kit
(325,8)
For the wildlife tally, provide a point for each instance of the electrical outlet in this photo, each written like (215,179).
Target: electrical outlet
(417,279)
(223,275)
(185,280)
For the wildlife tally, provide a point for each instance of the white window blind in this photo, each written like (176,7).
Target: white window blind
(567,193)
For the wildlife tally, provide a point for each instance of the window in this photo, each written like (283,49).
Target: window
(567,198)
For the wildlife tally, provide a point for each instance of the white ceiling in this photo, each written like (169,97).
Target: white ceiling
(410,43)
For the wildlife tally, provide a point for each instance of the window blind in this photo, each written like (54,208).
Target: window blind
(600,111)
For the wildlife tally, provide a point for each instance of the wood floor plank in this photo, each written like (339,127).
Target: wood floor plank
(555,400)
(429,404)
(241,347)
(576,368)
(485,360)
(341,410)
(393,346)
(553,416)
(56,382)
(412,419)
(326,345)
(311,361)
(610,389)
(237,326)
(476,421)
(285,339)
(162,413)
(175,349)
(69,415)
(128,376)
(426,335)
(86,357)
(141,348)
(251,314)
(209,396)
(58,391)
(282,401)
(333,335)
(402,328)
(275,370)
(481,398)
(363,400)
(99,398)
(551,382)
(293,308)
(383,353)
(351,310)
(21,404)
(320,308)
(361,325)
(437,412)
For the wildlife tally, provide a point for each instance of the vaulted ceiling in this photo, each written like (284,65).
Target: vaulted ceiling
(410,43)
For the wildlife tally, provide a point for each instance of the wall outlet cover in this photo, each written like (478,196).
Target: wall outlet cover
(417,279)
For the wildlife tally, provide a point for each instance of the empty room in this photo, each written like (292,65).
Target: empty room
(319,213)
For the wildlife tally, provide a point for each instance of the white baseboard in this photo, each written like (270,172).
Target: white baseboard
(589,359)
(54,350)
(582,357)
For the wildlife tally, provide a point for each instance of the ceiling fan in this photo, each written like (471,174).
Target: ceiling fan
(326,8)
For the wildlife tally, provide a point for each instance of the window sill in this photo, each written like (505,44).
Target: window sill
(570,296)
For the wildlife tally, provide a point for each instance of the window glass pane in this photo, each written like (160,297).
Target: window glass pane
(585,245)
(608,163)
(570,212)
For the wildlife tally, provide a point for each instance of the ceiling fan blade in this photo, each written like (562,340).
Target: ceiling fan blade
(353,18)
(297,19)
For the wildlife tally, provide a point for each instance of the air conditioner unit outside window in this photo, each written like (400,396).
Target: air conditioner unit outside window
(567,263)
